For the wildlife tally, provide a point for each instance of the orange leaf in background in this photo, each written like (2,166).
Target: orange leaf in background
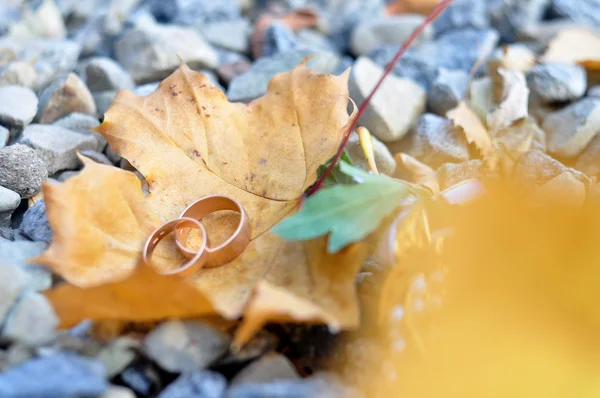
(575,45)
(475,132)
(412,6)
(189,141)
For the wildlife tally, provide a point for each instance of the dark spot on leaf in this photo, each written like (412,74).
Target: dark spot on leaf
(203,108)
(264,193)
(207,116)
(262,161)
(191,100)
(252,175)
(196,153)
(174,94)
(225,162)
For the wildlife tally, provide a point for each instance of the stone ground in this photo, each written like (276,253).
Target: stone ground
(91,49)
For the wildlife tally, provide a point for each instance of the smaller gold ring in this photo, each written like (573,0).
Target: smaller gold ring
(198,258)
(232,247)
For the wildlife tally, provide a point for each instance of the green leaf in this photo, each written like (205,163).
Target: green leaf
(337,176)
(347,212)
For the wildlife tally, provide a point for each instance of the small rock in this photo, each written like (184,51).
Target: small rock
(19,254)
(594,92)
(146,89)
(50,58)
(19,74)
(384,160)
(393,30)
(35,223)
(450,174)
(118,392)
(61,375)
(9,201)
(18,106)
(458,49)
(12,282)
(152,52)
(585,11)
(4,136)
(83,124)
(536,168)
(543,32)
(511,16)
(103,99)
(112,155)
(43,21)
(141,378)
(315,40)
(66,95)
(93,38)
(434,141)
(194,13)
(269,368)
(32,321)
(56,146)
(118,355)
(462,14)
(557,82)
(570,130)
(254,83)
(97,157)
(65,175)
(104,74)
(232,35)
(448,89)
(185,346)
(383,117)
(202,384)
(21,170)
(228,72)
(277,39)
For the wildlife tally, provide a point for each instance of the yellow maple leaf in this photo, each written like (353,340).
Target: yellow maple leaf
(189,141)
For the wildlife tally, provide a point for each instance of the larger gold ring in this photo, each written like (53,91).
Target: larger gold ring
(232,247)
(198,258)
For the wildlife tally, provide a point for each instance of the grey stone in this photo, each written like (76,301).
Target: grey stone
(19,254)
(254,83)
(118,354)
(232,35)
(588,161)
(18,106)
(21,170)
(584,11)
(450,174)
(56,146)
(12,282)
(146,89)
(92,37)
(279,38)
(315,41)
(32,320)
(50,58)
(447,91)
(66,175)
(104,74)
(118,392)
(571,129)
(203,384)
(195,12)
(116,15)
(97,157)
(511,16)
(383,117)
(536,168)
(142,378)
(462,14)
(83,124)
(391,30)
(66,95)
(543,32)
(185,346)
(594,92)
(35,223)
(18,73)
(152,52)
(315,386)
(61,375)
(269,368)
(112,155)
(103,99)
(44,20)
(434,141)
(384,160)
(9,201)
(557,82)
(4,136)
(458,49)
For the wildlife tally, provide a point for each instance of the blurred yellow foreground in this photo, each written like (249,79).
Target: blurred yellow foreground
(507,304)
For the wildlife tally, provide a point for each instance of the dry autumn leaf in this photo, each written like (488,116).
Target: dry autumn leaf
(475,132)
(417,172)
(189,141)
(575,45)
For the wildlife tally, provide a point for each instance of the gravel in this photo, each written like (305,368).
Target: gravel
(21,170)
(557,82)
(9,201)
(68,94)
(17,116)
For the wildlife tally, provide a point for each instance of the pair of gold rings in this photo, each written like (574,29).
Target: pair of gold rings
(205,256)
